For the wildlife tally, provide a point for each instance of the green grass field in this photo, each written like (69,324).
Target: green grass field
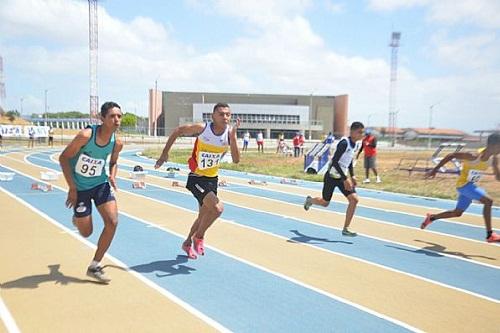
(443,186)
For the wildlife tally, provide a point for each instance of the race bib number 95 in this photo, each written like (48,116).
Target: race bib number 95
(89,167)
(208,160)
(474,176)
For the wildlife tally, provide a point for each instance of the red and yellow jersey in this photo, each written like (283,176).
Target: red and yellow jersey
(208,151)
(472,170)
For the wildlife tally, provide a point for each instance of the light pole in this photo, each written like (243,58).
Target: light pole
(431,109)
(46,110)
(156,107)
(21,100)
(368,122)
(395,120)
(310,114)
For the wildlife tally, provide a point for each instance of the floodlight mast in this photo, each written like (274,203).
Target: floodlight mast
(93,43)
(396,36)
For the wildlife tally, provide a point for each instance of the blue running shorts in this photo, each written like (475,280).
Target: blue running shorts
(467,193)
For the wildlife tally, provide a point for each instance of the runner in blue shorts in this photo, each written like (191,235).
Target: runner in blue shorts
(473,166)
(84,166)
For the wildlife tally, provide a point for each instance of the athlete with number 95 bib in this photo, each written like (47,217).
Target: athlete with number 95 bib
(84,166)
(212,142)
(473,166)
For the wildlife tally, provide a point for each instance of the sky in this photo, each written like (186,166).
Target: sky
(448,61)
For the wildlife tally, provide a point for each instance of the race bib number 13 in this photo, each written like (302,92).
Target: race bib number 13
(474,176)
(208,160)
(89,167)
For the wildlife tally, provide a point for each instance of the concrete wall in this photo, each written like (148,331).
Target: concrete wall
(177,105)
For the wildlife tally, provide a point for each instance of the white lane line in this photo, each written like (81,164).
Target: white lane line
(146,281)
(338,213)
(367,218)
(7,318)
(139,154)
(280,275)
(340,254)
(329,251)
(130,162)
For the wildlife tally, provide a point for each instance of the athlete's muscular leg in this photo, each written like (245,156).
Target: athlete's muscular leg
(109,213)
(353,202)
(194,227)
(447,214)
(487,202)
(84,225)
(211,209)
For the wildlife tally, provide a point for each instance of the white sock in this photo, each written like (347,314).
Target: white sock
(94,264)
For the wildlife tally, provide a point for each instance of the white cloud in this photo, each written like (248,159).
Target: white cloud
(482,13)
(389,5)
(334,7)
(280,53)
(474,52)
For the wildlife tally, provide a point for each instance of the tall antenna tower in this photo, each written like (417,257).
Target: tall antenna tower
(396,36)
(2,85)
(93,34)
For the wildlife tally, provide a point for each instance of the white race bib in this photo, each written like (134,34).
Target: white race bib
(87,166)
(208,160)
(474,176)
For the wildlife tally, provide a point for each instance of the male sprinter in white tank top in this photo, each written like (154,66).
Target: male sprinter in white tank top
(337,176)
(83,163)
(212,142)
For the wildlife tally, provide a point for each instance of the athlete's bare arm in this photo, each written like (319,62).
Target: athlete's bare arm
(496,167)
(184,130)
(69,152)
(113,168)
(235,152)
(449,157)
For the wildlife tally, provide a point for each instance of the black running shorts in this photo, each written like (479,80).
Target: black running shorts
(329,185)
(200,186)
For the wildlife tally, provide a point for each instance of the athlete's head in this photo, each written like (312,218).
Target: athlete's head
(221,114)
(493,143)
(357,130)
(111,114)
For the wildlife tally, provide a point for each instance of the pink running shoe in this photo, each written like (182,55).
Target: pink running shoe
(493,238)
(198,246)
(189,251)
(426,222)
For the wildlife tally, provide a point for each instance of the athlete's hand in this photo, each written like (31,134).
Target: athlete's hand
(348,184)
(235,128)
(71,200)
(430,174)
(112,182)
(354,182)
(161,160)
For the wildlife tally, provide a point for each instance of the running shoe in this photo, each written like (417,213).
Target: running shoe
(189,251)
(366,181)
(199,246)
(348,233)
(98,274)
(493,238)
(426,222)
(308,203)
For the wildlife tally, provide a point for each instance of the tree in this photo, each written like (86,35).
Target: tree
(12,115)
(129,120)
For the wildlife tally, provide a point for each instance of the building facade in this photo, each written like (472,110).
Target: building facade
(312,115)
